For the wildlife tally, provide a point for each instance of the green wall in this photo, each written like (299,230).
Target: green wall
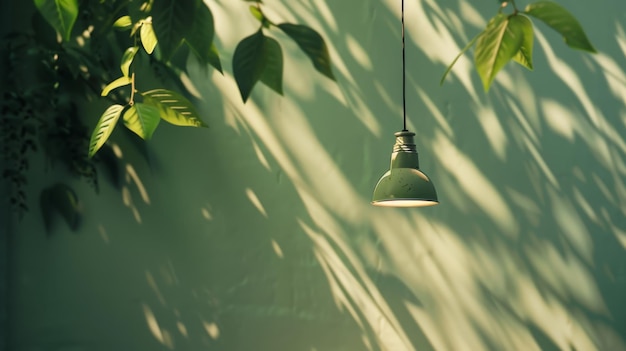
(257,233)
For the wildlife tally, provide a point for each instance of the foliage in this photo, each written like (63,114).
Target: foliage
(82,51)
(510,37)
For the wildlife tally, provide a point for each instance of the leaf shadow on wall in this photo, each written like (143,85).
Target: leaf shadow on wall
(259,233)
(527,248)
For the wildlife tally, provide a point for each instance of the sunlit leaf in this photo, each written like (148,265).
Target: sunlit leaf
(61,14)
(148,38)
(469,45)
(60,199)
(312,44)
(562,21)
(248,63)
(525,54)
(127,60)
(172,21)
(496,46)
(104,128)
(200,37)
(123,22)
(173,107)
(273,72)
(256,13)
(119,82)
(142,119)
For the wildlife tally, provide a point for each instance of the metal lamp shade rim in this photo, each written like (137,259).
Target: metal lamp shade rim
(405,202)
(404,187)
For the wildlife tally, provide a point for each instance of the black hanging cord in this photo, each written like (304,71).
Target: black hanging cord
(403,73)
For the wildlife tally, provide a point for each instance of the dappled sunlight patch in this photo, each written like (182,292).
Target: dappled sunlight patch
(558,119)
(127,199)
(437,42)
(392,102)
(585,206)
(189,85)
(564,277)
(155,288)
(609,195)
(436,113)
(619,233)
(362,112)
(103,234)
(212,330)
(358,53)
(132,175)
(570,79)
(621,37)
(530,127)
(206,214)
(475,184)
(492,128)
(317,171)
(571,225)
(361,298)
(182,329)
(277,249)
(254,199)
(614,75)
(471,16)
(540,162)
(161,335)
(526,205)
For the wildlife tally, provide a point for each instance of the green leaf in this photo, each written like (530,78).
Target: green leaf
(60,14)
(104,128)
(259,15)
(496,46)
(123,23)
(119,82)
(256,12)
(200,37)
(273,72)
(525,54)
(148,38)
(173,107)
(562,21)
(249,63)
(172,21)
(312,44)
(142,119)
(214,58)
(469,45)
(60,199)
(127,60)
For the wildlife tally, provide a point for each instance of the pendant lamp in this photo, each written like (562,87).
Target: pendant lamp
(404,184)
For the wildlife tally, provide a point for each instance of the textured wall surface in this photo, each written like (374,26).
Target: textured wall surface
(257,233)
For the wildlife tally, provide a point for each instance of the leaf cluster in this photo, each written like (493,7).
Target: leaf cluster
(164,29)
(510,37)
(259,57)
(82,51)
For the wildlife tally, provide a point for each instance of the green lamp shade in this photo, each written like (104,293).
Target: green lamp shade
(404,185)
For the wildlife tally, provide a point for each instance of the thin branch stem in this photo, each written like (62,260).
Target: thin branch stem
(132,89)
